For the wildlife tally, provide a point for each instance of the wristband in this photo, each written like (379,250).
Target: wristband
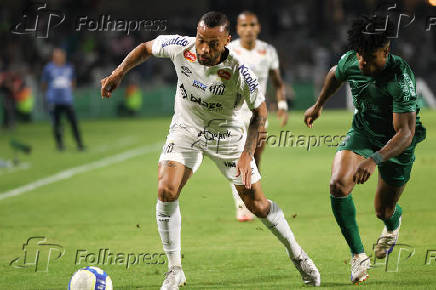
(376,156)
(282,105)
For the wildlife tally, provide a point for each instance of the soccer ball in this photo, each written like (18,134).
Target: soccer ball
(90,278)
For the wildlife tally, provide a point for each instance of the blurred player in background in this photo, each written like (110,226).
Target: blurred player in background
(211,88)
(386,128)
(262,59)
(58,82)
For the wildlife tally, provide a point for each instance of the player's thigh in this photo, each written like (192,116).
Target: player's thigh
(172,176)
(226,163)
(344,165)
(177,162)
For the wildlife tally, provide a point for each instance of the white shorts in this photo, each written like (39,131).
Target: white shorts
(187,147)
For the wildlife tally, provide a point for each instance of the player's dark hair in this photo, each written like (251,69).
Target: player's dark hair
(213,19)
(247,12)
(368,33)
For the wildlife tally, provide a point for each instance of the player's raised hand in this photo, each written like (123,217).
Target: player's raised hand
(243,168)
(311,115)
(364,171)
(110,83)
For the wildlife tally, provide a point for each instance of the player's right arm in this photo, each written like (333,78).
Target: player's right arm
(331,85)
(137,56)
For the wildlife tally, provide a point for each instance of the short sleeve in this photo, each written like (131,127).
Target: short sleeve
(169,45)
(404,93)
(343,64)
(249,87)
(274,59)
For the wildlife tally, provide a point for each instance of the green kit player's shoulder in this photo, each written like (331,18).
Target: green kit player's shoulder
(347,62)
(402,85)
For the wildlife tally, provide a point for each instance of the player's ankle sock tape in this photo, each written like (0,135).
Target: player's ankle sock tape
(168,220)
(393,222)
(345,214)
(277,224)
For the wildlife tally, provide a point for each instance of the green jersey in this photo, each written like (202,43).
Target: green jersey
(377,98)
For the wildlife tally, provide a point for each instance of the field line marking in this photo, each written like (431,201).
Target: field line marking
(68,173)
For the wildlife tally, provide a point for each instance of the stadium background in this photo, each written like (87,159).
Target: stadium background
(113,206)
(309,35)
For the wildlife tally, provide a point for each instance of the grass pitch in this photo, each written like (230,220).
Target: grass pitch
(113,207)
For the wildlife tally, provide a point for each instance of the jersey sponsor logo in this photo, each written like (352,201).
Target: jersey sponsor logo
(408,87)
(183,91)
(214,107)
(217,89)
(261,51)
(186,71)
(189,56)
(224,74)
(209,135)
(230,164)
(176,41)
(199,85)
(250,80)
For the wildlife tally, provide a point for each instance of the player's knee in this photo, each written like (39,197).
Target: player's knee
(167,192)
(338,187)
(261,209)
(384,213)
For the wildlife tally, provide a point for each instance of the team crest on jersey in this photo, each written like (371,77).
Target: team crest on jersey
(217,89)
(261,51)
(224,74)
(186,71)
(189,56)
(199,85)
(250,80)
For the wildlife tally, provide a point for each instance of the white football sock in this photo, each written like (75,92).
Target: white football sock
(169,223)
(238,201)
(277,224)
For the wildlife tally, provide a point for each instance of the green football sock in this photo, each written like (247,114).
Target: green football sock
(393,222)
(345,214)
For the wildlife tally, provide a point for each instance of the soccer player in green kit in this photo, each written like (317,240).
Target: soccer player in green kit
(385,130)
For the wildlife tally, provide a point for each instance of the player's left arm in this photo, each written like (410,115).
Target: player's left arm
(279,85)
(404,126)
(257,124)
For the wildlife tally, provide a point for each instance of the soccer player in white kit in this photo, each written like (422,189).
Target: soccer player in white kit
(263,60)
(212,86)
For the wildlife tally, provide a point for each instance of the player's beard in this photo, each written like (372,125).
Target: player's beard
(207,60)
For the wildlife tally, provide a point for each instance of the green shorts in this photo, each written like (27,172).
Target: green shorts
(395,171)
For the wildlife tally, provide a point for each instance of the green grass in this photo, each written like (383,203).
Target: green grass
(114,207)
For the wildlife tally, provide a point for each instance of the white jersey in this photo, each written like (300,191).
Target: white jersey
(208,97)
(261,59)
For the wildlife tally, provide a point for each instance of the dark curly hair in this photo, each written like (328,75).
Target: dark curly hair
(368,33)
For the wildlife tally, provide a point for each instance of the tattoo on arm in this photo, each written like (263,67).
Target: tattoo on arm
(257,124)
